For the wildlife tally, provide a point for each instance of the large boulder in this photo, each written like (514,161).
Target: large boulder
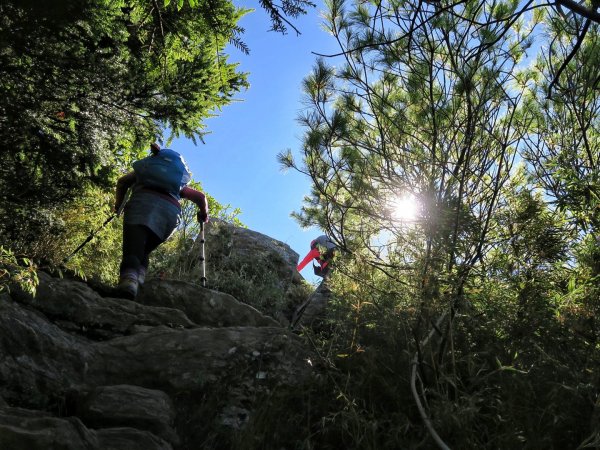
(175,360)
(203,306)
(24,429)
(312,311)
(254,268)
(76,307)
(131,406)
(225,240)
(100,372)
(39,359)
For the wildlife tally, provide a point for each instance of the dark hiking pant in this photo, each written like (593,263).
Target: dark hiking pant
(138,242)
(326,258)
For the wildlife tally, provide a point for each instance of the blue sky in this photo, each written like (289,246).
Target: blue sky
(238,162)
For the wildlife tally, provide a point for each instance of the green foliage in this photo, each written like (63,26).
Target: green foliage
(360,398)
(563,145)
(17,271)
(255,283)
(87,85)
(290,8)
(425,100)
(492,289)
(79,225)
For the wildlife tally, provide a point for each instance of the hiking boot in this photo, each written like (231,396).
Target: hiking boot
(128,285)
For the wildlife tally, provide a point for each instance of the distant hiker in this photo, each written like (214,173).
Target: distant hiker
(153,211)
(322,250)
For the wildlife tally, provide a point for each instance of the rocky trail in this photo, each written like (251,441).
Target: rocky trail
(80,369)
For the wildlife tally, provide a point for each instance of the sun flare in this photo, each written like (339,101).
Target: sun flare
(405,208)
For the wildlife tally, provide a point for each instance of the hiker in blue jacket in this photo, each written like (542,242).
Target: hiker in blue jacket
(153,211)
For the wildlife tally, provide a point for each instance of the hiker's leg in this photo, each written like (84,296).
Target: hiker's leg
(326,264)
(135,238)
(152,242)
(134,243)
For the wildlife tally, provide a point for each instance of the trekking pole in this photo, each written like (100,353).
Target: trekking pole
(202,258)
(299,312)
(94,233)
(89,238)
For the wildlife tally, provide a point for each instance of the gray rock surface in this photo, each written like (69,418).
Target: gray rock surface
(224,239)
(310,313)
(196,358)
(256,269)
(81,371)
(39,359)
(131,406)
(26,429)
(203,306)
(129,439)
(76,307)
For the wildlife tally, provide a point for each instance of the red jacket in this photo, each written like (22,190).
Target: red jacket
(315,253)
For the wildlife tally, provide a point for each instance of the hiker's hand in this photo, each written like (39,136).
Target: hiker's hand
(202,217)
